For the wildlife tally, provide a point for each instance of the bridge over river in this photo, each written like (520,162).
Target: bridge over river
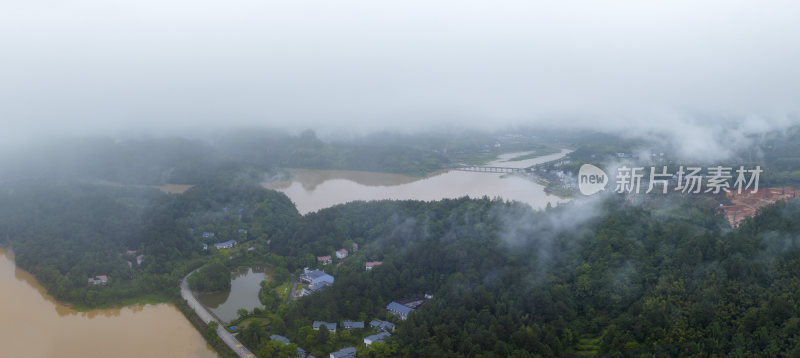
(229,339)
(489,169)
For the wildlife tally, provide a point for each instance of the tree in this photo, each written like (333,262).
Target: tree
(323,336)
(211,333)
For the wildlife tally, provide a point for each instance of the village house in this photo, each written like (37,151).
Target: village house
(382,325)
(325,259)
(276,337)
(370,264)
(225,245)
(380,337)
(316,279)
(98,280)
(348,352)
(341,253)
(331,326)
(399,310)
(301,353)
(355,247)
(130,252)
(139,259)
(350,325)
(207,234)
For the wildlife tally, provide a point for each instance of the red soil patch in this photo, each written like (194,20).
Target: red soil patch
(746,204)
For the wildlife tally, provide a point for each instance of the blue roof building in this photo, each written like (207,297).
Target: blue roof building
(348,352)
(331,326)
(399,310)
(380,337)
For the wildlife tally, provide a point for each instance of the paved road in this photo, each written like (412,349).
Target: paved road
(206,316)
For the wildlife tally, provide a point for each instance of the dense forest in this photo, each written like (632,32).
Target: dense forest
(670,279)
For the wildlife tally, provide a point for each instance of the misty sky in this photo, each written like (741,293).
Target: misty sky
(106,65)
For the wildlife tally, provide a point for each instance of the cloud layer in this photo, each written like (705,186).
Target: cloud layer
(91,65)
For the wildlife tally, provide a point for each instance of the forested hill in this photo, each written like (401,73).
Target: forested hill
(511,282)
(65,233)
(595,277)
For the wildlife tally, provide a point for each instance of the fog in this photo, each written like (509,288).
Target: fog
(704,74)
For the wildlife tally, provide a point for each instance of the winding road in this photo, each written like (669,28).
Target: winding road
(207,317)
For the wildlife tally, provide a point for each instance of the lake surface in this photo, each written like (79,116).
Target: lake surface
(33,324)
(245,284)
(312,190)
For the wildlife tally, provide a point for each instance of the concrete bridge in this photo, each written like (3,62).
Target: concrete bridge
(204,314)
(488,169)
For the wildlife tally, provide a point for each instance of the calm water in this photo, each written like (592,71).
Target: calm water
(245,284)
(312,190)
(33,325)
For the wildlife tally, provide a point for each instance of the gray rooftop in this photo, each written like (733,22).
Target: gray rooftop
(276,337)
(330,326)
(352,324)
(396,307)
(344,353)
(379,337)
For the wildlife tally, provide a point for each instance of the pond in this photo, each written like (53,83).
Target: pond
(245,284)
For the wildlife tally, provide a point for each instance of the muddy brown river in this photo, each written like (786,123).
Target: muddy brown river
(312,190)
(33,325)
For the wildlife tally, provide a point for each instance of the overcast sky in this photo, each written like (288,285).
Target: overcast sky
(106,65)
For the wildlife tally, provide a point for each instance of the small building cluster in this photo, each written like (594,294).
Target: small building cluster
(325,259)
(385,326)
(98,280)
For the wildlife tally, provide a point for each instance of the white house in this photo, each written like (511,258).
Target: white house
(341,253)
